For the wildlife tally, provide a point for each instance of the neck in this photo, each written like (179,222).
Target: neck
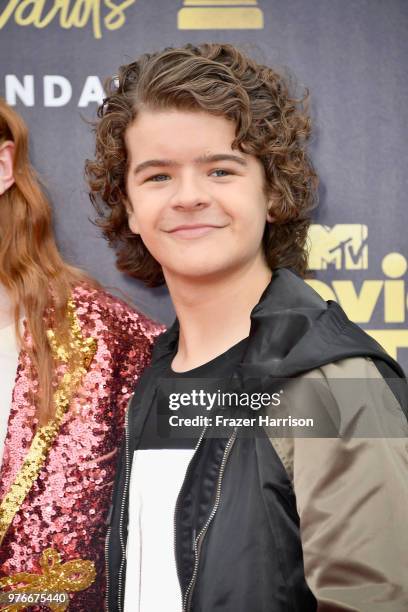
(214,314)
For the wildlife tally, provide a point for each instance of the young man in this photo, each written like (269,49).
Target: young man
(70,356)
(201,152)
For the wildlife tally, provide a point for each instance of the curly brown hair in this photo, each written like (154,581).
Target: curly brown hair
(271,123)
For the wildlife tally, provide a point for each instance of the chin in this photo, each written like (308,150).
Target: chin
(200,272)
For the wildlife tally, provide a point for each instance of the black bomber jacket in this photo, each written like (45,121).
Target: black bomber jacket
(237,534)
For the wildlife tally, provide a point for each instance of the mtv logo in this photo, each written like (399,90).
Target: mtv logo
(343,246)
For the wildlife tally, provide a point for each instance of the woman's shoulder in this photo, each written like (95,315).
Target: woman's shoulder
(98,307)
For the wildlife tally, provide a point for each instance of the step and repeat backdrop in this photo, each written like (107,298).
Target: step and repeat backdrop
(352,54)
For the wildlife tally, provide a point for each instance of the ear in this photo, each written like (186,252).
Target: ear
(6,165)
(270,216)
(132,221)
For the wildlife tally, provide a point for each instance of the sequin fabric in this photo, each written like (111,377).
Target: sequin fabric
(77,353)
(67,506)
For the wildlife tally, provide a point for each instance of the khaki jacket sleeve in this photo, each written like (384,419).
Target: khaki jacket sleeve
(352,500)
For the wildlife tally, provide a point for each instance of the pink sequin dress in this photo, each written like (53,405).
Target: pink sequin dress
(67,506)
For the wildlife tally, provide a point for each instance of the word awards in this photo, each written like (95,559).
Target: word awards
(67,13)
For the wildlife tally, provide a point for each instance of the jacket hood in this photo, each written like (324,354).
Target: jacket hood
(293,330)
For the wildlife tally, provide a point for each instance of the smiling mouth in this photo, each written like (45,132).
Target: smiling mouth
(193,231)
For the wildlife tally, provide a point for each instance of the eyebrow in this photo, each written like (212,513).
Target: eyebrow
(203,159)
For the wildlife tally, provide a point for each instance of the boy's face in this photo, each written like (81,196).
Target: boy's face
(198,205)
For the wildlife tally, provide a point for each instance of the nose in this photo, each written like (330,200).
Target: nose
(189,194)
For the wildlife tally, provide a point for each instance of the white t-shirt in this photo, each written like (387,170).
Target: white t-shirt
(9,352)
(151,576)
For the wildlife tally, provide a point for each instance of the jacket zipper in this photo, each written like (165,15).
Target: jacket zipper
(122,509)
(199,539)
(107,568)
(177,501)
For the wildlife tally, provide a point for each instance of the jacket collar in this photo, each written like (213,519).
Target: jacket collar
(293,330)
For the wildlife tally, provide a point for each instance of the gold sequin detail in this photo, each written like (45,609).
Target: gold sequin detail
(56,577)
(78,354)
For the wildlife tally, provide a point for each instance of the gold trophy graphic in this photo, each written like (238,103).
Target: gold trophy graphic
(220,15)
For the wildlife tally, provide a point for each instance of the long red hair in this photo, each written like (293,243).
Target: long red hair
(37,279)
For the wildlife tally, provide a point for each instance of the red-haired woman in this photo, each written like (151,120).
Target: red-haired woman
(70,355)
